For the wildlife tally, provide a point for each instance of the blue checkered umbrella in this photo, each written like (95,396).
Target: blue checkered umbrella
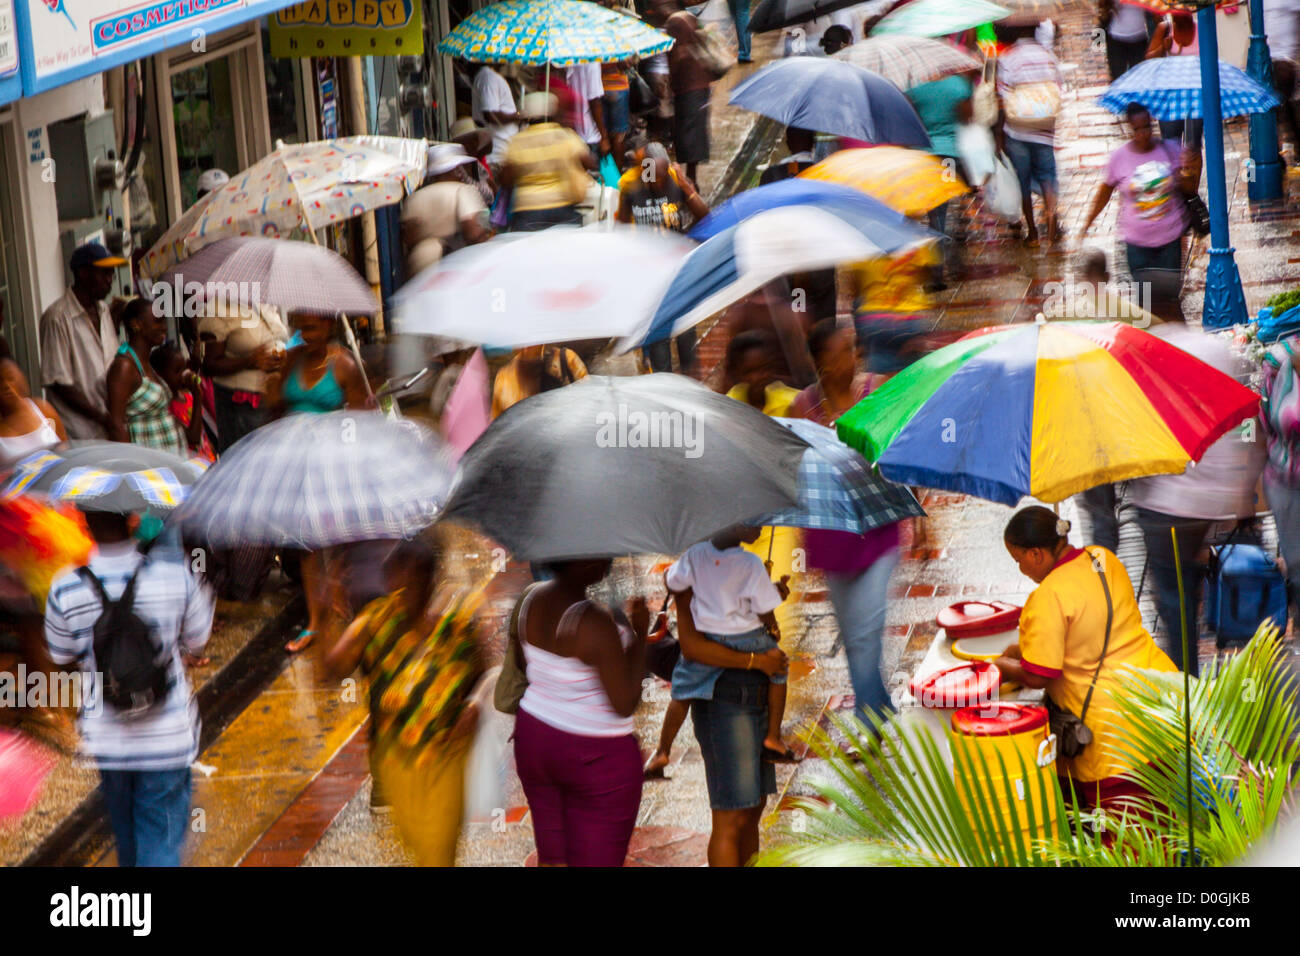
(1170,88)
(838,490)
(310,481)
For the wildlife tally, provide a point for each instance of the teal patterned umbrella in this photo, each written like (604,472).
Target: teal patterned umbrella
(938,18)
(558,32)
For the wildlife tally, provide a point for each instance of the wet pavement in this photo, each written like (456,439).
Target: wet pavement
(287,778)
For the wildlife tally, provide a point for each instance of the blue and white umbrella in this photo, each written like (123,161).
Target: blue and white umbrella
(1170,88)
(886,227)
(838,489)
(831,96)
(747,256)
(311,481)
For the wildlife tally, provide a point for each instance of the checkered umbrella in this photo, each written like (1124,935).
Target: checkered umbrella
(908,61)
(106,476)
(838,490)
(1170,88)
(311,481)
(279,272)
(558,32)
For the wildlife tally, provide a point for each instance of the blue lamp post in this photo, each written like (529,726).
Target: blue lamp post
(1225,302)
(1266,181)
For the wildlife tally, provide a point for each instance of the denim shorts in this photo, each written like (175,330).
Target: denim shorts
(730,729)
(616,112)
(1035,165)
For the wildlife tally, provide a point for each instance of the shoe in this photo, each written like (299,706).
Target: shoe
(744,59)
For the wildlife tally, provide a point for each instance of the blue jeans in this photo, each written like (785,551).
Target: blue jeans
(149,811)
(1035,165)
(1161,575)
(859,601)
(1169,256)
(730,728)
(740,16)
(693,680)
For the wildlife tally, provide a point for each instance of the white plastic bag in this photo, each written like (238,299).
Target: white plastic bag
(978,152)
(1002,191)
(485,770)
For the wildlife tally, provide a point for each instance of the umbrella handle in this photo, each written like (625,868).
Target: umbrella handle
(356,352)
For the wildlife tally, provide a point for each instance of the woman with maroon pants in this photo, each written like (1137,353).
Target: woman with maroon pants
(575,748)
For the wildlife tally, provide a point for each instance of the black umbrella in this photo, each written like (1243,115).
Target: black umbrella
(106,476)
(611,466)
(775,14)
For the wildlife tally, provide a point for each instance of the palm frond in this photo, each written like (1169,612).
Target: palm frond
(901,803)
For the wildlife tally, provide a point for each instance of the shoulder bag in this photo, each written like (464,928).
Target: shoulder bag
(984,101)
(513,680)
(1072,734)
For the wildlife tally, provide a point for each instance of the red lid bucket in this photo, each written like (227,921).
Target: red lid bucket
(966,685)
(1003,718)
(978,618)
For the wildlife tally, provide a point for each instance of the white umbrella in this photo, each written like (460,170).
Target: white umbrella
(747,256)
(557,285)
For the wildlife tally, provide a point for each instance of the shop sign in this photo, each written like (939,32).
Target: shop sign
(348,28)
(8,39)
(64,40)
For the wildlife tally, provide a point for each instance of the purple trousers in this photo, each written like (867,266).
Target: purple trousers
(584,792)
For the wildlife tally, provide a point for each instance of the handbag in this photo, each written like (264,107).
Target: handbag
(712,52)
(1002,191)
(1198,213)
(1072,734)
(514,674)
(1033,105)
(984,101)
(641,98)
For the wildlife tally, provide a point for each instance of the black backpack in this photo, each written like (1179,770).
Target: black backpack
(134,667)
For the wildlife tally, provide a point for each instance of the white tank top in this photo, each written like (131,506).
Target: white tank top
(565,692)
(17,447)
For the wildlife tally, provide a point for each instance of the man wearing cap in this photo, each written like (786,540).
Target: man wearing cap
(78,342)
(446,214)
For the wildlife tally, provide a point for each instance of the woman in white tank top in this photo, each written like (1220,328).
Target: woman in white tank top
(26,425)
(575,749)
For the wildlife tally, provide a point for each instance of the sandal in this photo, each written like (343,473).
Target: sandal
(301,642)
(776,756)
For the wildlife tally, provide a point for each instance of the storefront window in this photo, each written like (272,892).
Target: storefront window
(283,102)
(203,109)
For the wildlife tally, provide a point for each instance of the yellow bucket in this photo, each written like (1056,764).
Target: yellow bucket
(1018,776)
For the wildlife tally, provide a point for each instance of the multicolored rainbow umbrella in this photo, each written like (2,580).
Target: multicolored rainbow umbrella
(1046,410)
(558,32)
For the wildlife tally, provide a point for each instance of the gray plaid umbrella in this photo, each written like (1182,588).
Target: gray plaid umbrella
(838,489)
(280,272)
(310,481)
(623,465)
(106,476)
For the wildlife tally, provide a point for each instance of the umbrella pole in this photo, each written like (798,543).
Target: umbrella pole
(356,351)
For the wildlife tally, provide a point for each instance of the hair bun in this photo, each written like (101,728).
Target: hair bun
(1062,527)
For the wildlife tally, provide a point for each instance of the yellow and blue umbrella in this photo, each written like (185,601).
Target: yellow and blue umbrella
(106,476)
(558,32)
(1046,410)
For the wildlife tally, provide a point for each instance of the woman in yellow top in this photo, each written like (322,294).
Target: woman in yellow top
(1062,633)
(891,307)
(545,164)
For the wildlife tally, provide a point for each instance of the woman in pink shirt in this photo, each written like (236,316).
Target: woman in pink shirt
(857,566)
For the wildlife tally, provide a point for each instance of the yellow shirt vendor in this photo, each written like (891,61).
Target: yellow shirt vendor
(1062,633)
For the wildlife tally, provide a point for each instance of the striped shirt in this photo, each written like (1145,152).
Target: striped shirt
(1027,62)
(172,601)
